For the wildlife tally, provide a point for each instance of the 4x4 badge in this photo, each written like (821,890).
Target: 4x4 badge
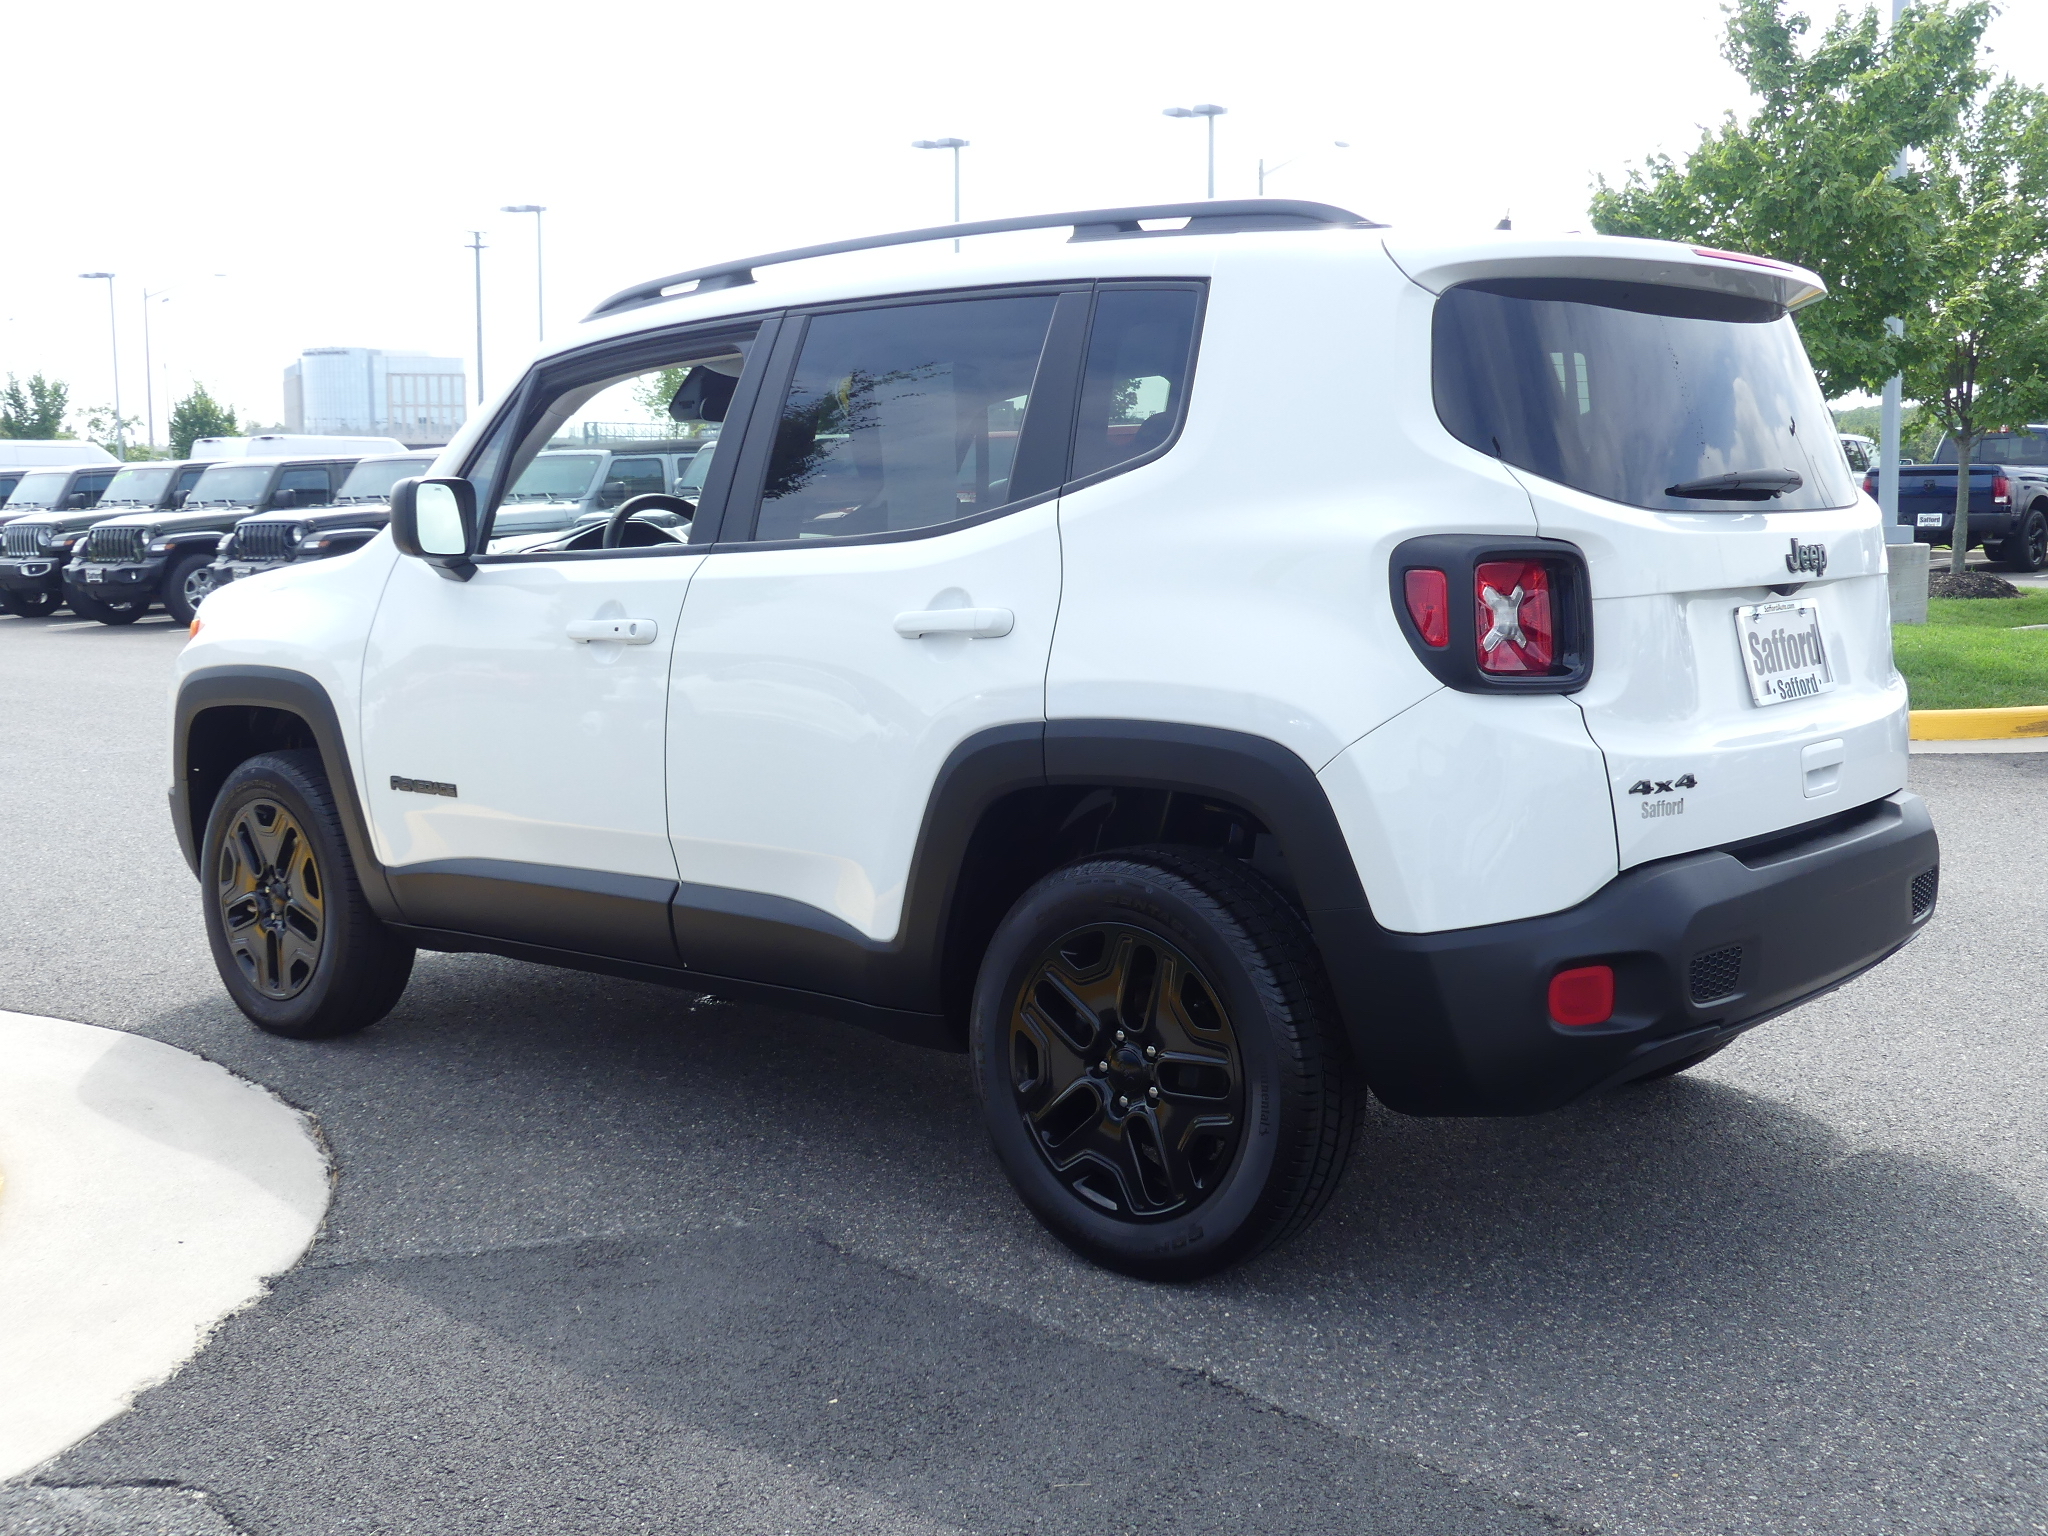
(1663,786)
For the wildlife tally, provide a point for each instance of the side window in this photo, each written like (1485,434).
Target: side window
(627,478)
(188,478)
(92,487)
(304,487)
(1859,461)
(599,432)
(1136,384)
(902,417)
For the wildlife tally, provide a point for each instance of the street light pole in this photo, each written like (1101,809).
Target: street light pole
(148,375)
(1210,111)
(955,145)
(539,297)
(114,335)
(477,248)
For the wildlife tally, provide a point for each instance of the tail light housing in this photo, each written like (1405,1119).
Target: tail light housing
(2001,490)
(1491,615)
(1870,483)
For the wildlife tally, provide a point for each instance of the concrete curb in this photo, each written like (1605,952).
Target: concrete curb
(148,1194)
(2028,723)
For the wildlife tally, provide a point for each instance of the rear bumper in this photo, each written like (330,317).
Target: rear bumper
(1703,946)
(1983,525)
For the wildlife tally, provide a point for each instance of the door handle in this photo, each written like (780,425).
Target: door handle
(977,623)
(619,631)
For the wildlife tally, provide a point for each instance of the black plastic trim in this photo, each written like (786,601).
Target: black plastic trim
(620,917)
(296,694)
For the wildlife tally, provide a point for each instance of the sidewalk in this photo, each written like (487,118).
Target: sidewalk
(145,1194)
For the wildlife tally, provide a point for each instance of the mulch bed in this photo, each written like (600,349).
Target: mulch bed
(1970,584)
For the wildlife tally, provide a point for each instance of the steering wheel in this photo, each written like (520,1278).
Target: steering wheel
(646,501)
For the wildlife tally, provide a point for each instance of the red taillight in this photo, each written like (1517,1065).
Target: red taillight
(1870,483)
(1517,633)
(1583,995)
(2001,488)
(1429,605)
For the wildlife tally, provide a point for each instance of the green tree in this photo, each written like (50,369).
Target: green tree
(1976,345)
(113,434)
(34,410)
(1809,176)
(199,415)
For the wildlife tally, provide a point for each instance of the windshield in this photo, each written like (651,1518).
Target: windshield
(2007,448)
(691,481)
(39,490)
(137,487)
(372,481)
(1629,391)
(231,485)
(556,477)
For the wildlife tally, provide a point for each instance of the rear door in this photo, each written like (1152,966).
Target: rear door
(885,587)
(1743,678)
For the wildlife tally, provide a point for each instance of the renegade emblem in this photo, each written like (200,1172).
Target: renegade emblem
(422,787)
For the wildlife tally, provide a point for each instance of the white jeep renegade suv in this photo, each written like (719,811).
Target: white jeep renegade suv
(1204,672)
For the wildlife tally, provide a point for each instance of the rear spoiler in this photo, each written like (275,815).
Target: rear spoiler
(1614,258)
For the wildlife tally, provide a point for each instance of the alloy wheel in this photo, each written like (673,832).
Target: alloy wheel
(1126,1071)
(272,899)
(197,584)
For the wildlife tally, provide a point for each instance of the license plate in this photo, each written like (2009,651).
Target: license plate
(238,572)
(1931,519)
(93,575)
(1784,652)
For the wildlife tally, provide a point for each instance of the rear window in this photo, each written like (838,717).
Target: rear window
(2008,448)
(1631,392)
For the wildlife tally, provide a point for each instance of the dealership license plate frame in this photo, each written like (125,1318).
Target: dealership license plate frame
(1796,678)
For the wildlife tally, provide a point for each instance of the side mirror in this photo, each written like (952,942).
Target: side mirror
(75,502)
(436,521)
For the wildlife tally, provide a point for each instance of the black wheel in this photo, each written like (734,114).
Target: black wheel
(1683,1064)
(27,605)
(294,940)
(126,612)
(186,584)
(1160,1062)
(2026,549)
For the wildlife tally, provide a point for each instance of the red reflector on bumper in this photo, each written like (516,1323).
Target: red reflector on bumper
(1429,605)
(1583,995)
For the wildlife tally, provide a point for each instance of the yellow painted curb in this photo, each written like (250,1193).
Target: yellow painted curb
(2023,724)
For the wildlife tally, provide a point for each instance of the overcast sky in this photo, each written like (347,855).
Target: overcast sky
(331,160)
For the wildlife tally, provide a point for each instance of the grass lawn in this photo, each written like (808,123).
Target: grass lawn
(1966,656)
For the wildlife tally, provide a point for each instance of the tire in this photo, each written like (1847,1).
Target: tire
(295,943)
(2026,549)
(107,613)
(1218,1121)
(186,584)
(27,605)
(1683,1064)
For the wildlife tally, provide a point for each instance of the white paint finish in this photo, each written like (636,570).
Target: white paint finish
(1242,580)
(1437,264)
(312,618)
(147,1195)
(1469,809)
(555,744)
(1669,697)
(805,733)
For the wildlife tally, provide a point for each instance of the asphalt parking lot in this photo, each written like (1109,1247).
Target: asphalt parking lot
(604,1258)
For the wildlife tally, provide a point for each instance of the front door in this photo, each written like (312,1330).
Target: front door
(513,729)
(884,588)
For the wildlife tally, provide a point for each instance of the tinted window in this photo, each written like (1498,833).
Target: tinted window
(627,478)
(1137,379)
(2015,448)
(189,477)
(1624,391)
(92,487)
(1858,459)
(902,417)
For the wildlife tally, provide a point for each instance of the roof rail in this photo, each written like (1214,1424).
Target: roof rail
(1212,217)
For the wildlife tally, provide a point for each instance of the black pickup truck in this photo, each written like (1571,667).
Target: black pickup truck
(2008,496)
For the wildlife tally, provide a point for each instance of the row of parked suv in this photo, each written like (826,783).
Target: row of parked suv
(109,541)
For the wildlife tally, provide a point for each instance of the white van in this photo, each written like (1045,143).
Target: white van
(33,451)
(290,445)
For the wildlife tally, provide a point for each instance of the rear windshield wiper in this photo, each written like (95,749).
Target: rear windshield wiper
(1743,485)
